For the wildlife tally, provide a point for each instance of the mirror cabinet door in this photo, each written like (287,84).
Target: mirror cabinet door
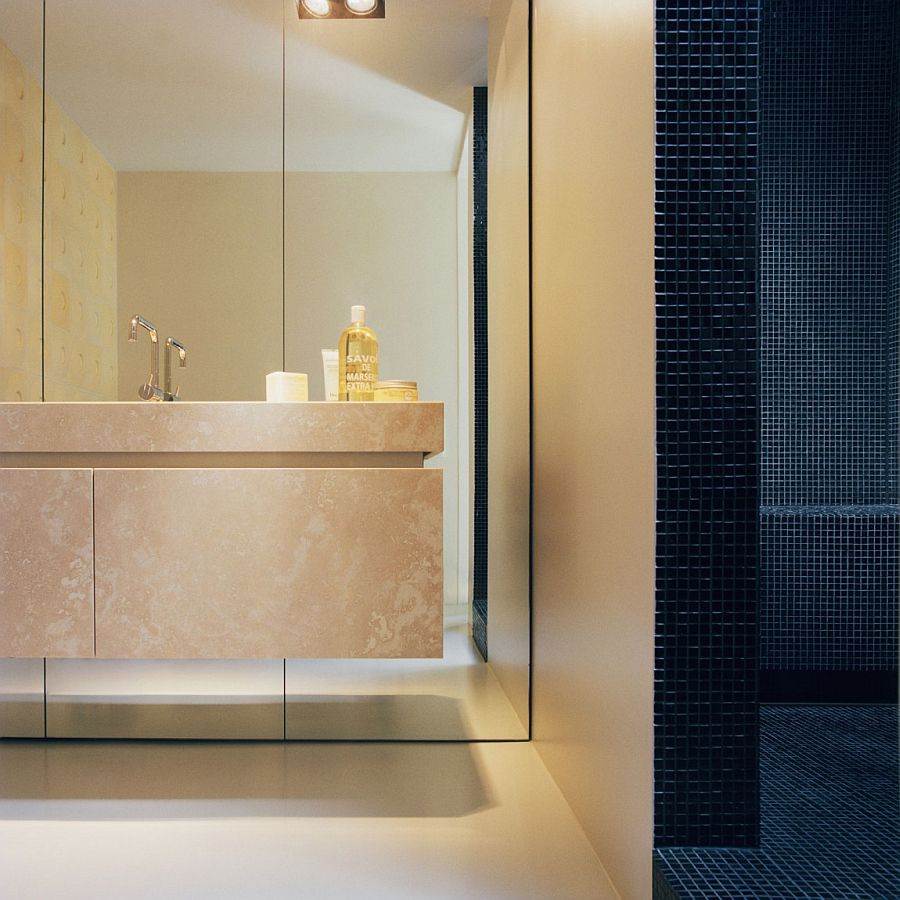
(163,150)
(21,98)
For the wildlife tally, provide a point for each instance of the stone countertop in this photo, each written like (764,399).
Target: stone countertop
(222,427)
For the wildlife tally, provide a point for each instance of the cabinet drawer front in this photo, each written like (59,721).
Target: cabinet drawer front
(46,563)
(268,563)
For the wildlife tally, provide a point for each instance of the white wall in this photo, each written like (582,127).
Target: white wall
(594,420)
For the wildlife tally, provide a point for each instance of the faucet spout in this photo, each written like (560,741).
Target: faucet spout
(182,362)
(150,328)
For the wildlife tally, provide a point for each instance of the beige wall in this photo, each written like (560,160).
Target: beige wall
(20,231)
(594,420)
(508,369)
(200,256)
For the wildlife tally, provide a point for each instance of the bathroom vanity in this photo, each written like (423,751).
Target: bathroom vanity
(220,530)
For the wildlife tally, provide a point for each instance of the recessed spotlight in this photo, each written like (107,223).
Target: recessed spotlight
(339,9)
(361,7)
(321,9)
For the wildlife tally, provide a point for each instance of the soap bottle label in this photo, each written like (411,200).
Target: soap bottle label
(357,360)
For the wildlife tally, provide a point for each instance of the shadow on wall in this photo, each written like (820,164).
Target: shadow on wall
(128,781)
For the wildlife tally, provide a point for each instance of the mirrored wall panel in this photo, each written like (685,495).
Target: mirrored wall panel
(236,177)
(163,195)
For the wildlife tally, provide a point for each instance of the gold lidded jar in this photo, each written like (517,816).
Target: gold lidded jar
(396,391)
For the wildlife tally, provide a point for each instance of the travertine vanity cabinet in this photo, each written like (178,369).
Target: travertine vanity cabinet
(46,563)
(220,530)
(268,563)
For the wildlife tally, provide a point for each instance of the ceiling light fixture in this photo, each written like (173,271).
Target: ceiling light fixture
(320,9)
(361,7)
(340,9)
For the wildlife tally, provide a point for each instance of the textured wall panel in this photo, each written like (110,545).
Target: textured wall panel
(20,231)
(80,250)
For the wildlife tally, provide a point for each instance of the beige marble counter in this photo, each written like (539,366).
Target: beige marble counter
(207,427)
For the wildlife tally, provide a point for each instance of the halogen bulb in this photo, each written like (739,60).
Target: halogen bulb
(360,7)
(320,8)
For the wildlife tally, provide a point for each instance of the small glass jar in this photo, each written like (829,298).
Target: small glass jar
(396,391)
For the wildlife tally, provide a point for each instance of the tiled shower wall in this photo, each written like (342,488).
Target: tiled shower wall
(480,379)
(893,232)
(828,338)
(706,731)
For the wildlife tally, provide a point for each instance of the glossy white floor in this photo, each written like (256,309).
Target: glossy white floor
(249,820)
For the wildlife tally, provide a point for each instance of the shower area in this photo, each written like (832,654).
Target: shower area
(778,536)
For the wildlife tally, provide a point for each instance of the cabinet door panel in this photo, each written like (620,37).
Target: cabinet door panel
(46,563)
(268,563)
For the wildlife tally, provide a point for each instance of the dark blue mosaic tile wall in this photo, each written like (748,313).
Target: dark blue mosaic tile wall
(828,336)
(706,731)
(480,385)
(830,579)
(830,829)
(893,292)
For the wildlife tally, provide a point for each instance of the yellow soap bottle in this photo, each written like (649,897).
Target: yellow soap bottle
(357,359)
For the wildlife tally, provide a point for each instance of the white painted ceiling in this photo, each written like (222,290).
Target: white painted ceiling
(196,85)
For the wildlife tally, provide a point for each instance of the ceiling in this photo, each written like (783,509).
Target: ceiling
(196,85)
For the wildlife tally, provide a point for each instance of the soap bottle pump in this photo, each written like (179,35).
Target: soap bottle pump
(357,359)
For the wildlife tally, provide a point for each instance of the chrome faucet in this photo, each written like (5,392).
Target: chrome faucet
(182,362)
(150,390)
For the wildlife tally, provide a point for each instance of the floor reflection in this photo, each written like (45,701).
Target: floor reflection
(87,780)
(454,698)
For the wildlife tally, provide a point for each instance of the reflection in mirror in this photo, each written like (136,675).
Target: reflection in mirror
(20,199)
(163,194)
(378,211)
(239,177)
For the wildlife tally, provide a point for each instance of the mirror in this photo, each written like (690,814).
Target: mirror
(21,106)
(240,177)
(163,151)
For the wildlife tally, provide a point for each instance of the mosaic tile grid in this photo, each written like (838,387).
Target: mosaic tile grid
(828,336)
(830,826)
(829,580)
(705,767)
(480,382)
(824,150)
(893,233)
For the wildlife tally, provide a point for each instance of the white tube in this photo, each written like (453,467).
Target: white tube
(330,365)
